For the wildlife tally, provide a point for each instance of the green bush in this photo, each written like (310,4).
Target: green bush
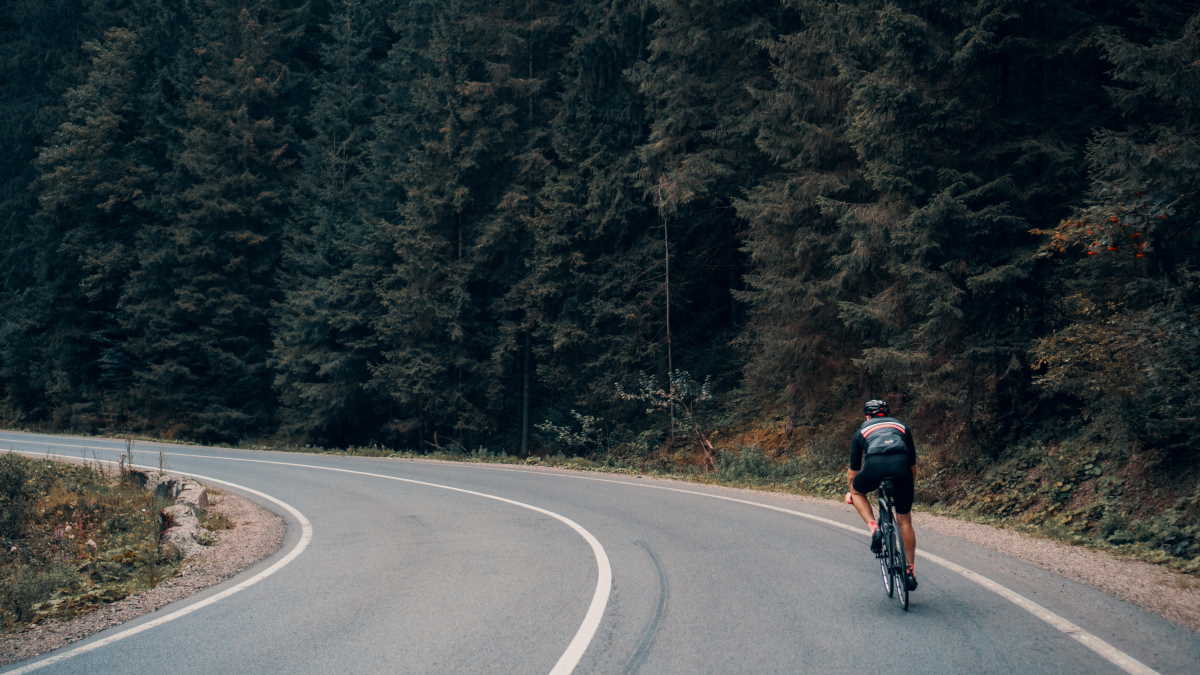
(25,587)
(1179,534)
(750,464)
(13,497)
(586,435)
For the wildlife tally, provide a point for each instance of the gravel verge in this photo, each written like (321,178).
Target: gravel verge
(1173,595)
(256,534)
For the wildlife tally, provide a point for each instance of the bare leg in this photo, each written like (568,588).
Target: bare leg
(863,507)
(909,536)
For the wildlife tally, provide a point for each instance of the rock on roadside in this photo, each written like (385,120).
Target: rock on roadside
(184,531)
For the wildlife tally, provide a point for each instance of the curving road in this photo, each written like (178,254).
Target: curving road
(426,567)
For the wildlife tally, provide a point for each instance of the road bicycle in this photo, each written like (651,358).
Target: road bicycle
(892,562)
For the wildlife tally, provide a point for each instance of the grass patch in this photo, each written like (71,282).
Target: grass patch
(72,538)
(214,521)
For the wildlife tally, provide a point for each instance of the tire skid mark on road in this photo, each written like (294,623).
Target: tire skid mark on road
(1093,642)
(1096,644)
(591,622)
(660,611)
(305,538)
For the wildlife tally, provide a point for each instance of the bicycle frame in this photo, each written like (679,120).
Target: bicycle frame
(892,564)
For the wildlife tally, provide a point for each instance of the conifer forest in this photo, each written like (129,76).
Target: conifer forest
(618,225)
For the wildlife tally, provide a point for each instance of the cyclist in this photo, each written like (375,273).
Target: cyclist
(883,448)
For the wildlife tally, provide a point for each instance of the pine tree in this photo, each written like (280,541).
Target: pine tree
(527,68)
(703,59)
(934,253)
(198,305)
(323,335)
(446,126)
(1127,334)
(39,60)
(794,342)
(97,172)
(592,292)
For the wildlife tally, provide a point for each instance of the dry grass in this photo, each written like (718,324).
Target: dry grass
(75,537)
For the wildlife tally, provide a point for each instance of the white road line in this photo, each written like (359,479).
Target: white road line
(1103,649)
(1097,645)
(591,620)
(305,538)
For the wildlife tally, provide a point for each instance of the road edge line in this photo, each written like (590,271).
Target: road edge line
(1093,642)
(591,621)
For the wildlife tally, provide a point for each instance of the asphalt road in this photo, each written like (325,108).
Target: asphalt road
(404,566)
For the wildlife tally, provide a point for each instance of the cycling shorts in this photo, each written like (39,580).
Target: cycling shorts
(878,467)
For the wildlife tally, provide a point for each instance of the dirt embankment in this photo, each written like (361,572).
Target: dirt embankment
(1171,594)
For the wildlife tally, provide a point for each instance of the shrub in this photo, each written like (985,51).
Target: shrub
(690,405)
(12,495)
(24,587)
(750,464)
(216,521)
(587,436)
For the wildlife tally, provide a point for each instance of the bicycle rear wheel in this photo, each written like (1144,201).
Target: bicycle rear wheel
(885,559)
(899,569)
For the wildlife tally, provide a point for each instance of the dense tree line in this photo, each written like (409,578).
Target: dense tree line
(445,223)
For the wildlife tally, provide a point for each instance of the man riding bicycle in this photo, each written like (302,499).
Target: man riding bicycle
(883,448)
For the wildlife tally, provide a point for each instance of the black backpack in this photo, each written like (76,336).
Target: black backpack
(883,435)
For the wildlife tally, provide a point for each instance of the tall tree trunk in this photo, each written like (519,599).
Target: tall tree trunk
(525,400)
(670,363)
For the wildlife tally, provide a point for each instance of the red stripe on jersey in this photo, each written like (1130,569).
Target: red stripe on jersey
(883,425)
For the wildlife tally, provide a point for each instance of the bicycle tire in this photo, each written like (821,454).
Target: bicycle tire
(899,569)
(885,560)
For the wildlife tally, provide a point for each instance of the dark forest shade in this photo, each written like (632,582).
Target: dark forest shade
(440,224)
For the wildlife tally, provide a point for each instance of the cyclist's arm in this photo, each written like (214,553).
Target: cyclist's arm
(856,454)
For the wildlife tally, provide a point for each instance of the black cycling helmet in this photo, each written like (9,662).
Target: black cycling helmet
(876,408)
